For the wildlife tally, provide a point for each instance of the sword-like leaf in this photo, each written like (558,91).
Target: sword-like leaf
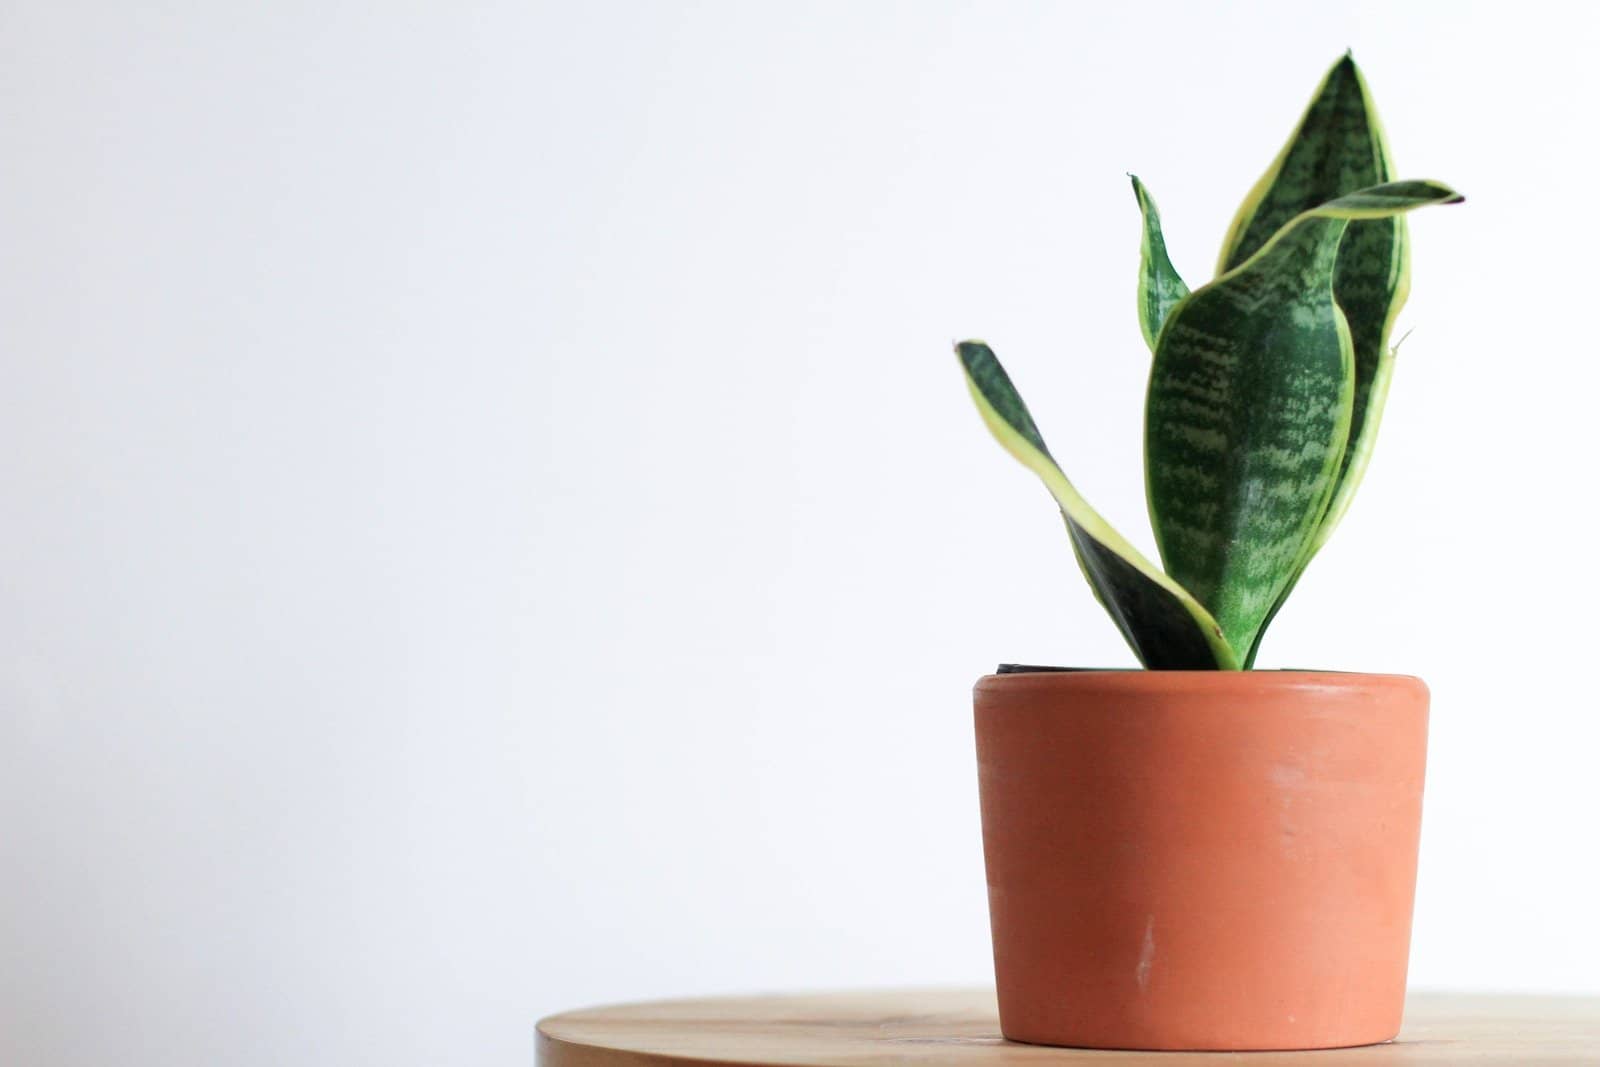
(1160,287)
(1358,453)
(1338,147)
(1166,627)
(1249,410)
(1355,468)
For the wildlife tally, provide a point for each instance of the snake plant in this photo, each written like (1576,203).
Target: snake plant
(1266,388)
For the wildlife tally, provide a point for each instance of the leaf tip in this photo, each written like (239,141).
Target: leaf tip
(1444,194)
(970,351)
(1344,70)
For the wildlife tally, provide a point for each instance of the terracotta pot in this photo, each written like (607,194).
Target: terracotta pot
(1201,860)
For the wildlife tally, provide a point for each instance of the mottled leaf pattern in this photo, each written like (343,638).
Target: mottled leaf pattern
(1361,449)
(1160,287)
(1338,147)
(1266,390)
(1164,625)
(1368,409)
(1249,410)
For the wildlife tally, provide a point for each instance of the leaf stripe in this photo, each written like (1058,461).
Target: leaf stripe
(1248,413)
(1166,627)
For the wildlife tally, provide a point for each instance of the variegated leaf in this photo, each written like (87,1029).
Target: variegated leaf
(1166,627)
(1338,147)
(1249,409)
(1160,287)
(1357,454)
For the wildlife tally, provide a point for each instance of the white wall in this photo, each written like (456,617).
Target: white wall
(491,522)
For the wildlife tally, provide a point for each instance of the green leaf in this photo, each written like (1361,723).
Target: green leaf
(1249,410)
(1160,287)
(1359,451)
(1166,627)
(1338,147)
(1356,456)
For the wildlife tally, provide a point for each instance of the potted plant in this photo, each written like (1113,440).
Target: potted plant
(1199,855)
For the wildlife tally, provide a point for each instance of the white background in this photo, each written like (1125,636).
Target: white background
(491,521)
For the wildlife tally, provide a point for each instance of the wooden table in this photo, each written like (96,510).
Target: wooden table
(960,1027)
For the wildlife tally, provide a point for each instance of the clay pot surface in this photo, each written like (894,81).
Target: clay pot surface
(1201,860)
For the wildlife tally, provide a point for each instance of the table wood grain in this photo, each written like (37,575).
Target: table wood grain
(960,1027)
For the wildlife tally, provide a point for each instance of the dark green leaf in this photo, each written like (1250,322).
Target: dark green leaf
(1249,409)
(1165,626)
(1338,147)
(1160,287)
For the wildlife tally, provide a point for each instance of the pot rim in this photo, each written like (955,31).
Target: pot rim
(1146,681)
